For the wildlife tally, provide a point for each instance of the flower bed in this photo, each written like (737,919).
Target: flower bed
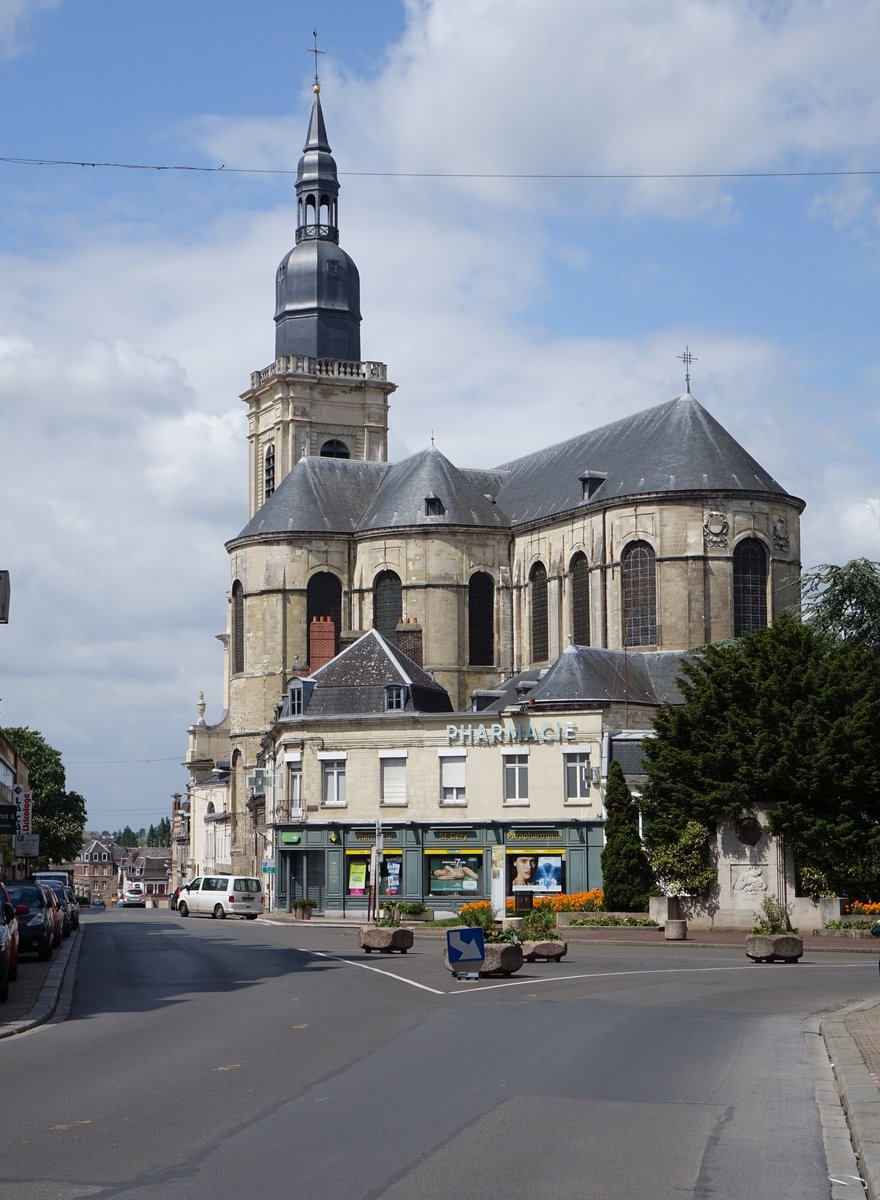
(864,908)
(572,902)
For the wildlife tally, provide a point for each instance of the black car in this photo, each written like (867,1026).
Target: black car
(35,924)
(74,907)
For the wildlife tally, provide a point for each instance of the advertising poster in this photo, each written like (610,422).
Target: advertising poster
(389,883)
(455,873)
(538,873)
(357,879)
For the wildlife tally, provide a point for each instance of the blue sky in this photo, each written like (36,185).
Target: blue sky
(511,311)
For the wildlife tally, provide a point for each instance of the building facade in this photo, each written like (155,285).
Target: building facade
(654,534)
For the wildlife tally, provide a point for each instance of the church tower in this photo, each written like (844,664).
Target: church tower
(318,397)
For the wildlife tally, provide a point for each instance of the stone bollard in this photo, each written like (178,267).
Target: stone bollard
(676,931)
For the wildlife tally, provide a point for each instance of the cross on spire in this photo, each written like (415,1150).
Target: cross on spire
(314,50)
(687,358)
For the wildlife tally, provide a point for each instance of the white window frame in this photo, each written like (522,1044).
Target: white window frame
(582,795)
(517,772)
(449,791)
(392,791)
(333,780)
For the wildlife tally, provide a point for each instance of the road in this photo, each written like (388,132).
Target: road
(201,1059)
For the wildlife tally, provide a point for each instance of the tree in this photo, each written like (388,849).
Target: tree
(784,720)
(163,832)
(844,602)
(59,816)
(127,837)
(627,878)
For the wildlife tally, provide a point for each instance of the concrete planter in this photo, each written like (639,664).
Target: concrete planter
(302,912)
(777,947)
(502,958)
(385,939)
(547,951)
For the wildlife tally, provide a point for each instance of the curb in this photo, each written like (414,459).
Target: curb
(858,1095)
(44,1009)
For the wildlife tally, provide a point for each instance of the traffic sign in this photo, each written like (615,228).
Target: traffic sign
(465,945)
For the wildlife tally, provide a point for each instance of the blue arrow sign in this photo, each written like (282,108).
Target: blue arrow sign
(465,945)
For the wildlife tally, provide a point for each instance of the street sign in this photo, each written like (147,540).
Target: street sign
(268,868)
(8,814)
(26,845)
(465,945)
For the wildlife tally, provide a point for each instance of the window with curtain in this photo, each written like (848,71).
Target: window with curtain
(540,624)
(639,595)
(749,587)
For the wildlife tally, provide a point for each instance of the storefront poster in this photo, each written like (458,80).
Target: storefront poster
(357,879)
(390,879)
(538,873)
(455,873)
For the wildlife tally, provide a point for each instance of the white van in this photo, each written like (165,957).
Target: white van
(219,895)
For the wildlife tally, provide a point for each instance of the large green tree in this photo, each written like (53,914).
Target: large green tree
(844,601)
(784,719)
(59,816)
(627,878)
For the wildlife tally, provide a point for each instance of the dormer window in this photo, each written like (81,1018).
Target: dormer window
(296,700)
(434,506)
(591,481)
(395,697)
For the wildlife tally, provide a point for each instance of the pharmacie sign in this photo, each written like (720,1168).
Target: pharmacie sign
(507,733)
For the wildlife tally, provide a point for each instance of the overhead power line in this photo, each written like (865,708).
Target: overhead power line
(573,175)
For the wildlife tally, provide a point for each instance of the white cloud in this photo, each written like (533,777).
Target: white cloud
(15,17)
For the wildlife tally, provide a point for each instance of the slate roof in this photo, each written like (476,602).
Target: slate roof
(674,447)
(354,682)
(591,675)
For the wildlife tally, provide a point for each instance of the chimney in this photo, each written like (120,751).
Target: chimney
(322,642)
(409,639)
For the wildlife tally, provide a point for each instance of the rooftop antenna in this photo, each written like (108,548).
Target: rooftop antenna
(687,358)
(314,50)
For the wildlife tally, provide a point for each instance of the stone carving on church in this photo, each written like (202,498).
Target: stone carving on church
(715,529)
(781,539)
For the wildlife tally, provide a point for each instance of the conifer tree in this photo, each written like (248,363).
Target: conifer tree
(627,878)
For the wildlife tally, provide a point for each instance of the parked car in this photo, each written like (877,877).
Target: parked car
(12,923)
(219,895)
(8,945)
(55,915)
(36,922)
(74,906)
(65,906)
(132,898)
(97,903)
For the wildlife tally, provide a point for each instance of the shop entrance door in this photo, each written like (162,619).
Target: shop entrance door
(315,881)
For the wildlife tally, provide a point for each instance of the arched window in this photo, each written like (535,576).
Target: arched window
(538,595)
(639,595)
(481,620)
(335,448)
(749,587)
(324,599)
(579,570)
(237,628)
(387,604)
(269,472)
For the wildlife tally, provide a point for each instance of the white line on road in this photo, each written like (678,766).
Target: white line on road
(378,970)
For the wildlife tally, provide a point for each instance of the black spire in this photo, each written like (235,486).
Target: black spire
(317,311)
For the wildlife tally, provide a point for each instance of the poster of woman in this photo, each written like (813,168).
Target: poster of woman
(538,873)
(457,873)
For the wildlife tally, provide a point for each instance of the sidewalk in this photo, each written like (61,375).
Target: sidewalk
(846,1070)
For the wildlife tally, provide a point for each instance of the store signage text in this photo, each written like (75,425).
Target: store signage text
(508,734)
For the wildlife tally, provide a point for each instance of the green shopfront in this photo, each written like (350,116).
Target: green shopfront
(439,865)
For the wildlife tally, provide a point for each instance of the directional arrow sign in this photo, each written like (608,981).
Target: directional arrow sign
(465,945)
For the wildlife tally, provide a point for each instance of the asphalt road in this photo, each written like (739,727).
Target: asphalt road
(205,1060)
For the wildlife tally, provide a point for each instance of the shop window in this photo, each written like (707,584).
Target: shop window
(358,872)
(390,876)
(516,779)
(538,873)
(393,772)
(577,778)
(333,789)
(749,587)
(639,595)
(450,873)
(452,779)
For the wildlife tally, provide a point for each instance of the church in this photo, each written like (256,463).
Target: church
(651,535)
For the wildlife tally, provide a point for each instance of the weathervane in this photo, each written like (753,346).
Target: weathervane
(687,358)
(314,50)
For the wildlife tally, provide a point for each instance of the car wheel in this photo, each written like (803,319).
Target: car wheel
(182,908)
(219,912)
(252,916)
(4,989)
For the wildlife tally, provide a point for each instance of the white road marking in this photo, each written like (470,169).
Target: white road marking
(378,970)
